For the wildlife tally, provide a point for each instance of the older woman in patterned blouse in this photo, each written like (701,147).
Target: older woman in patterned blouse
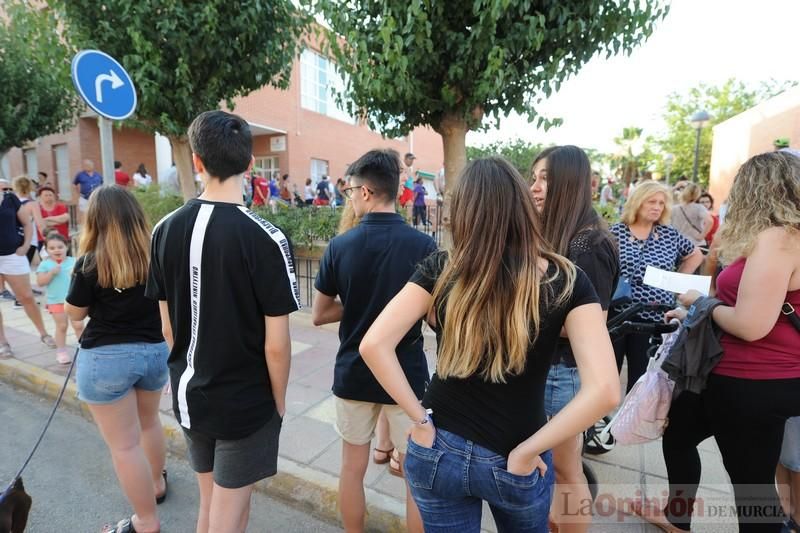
(645,238)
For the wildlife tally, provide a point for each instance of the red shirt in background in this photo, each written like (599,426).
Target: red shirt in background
(58,209)
(260,184)
(122,179)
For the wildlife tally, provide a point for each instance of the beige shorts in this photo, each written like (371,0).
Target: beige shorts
(83,204)
(356,421)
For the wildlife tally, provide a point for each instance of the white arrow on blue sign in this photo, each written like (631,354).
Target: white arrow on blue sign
(103,84)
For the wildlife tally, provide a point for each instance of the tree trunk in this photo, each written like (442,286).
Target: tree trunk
(453,129)
(182,155)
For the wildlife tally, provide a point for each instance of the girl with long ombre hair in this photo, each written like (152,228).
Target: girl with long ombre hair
(122,365)
(561,187)
(497,302)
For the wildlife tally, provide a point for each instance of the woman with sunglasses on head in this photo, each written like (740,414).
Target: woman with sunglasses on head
(562,194)
(497,302)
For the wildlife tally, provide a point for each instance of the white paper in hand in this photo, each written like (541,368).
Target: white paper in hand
(676,282)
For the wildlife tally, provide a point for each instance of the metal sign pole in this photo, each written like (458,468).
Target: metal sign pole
(106,149)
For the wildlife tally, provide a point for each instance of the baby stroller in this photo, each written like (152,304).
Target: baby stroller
(597,440)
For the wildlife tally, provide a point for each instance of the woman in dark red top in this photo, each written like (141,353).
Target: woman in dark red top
(756,385)
(55,215)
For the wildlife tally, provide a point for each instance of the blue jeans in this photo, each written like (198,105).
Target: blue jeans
(450,481)
(562,385)
(106,374)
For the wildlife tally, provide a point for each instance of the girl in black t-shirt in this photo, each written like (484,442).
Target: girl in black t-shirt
(122,364)
(561,187)
(497,301)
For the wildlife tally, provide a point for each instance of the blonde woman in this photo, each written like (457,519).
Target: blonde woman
(23,188)
(497,301)
(645,239)
(691,218)
(123,357)
(755,387)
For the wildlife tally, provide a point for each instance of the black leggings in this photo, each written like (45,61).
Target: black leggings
(746,417)
(634,346)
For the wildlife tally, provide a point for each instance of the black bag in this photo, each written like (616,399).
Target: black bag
(788,310)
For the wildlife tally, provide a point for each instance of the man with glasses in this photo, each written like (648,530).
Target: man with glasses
(366,267)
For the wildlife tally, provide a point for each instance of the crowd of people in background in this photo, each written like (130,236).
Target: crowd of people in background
(519,308)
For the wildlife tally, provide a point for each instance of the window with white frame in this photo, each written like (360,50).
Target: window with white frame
(31,163)
(319,80)
(268,167)
(319,168)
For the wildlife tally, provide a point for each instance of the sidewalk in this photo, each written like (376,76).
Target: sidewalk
(310,449)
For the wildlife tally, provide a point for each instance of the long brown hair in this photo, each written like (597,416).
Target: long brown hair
(491,285)
(116,238)
(568,206)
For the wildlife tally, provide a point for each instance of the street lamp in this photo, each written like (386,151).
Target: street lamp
(668,159)
(698,120)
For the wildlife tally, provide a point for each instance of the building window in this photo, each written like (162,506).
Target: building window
(319,168)
(268,167)
(31,163)
(319,80)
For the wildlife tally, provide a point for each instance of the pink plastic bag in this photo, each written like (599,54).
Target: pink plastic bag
(642,417)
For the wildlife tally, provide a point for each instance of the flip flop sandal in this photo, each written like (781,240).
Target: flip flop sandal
(48,341)
(123,526)
(386,459)
(5,351)
(160,499)
(396,471)
(63,358)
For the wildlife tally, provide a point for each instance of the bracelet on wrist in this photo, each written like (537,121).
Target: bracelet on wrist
(426,420)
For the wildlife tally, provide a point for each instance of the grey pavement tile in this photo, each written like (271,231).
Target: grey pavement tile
(331,461)
(321,379)
(302,368)
(303,439)
(300,398)
(391,485)
(41,359)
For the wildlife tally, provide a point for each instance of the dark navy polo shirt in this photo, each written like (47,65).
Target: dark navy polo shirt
(366,267)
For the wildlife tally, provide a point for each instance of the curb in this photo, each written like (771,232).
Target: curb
(305,488)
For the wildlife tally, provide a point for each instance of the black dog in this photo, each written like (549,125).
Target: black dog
(14,510)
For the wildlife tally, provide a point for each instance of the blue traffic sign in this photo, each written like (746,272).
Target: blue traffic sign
(103,84)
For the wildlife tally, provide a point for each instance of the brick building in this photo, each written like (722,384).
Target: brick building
(749,133)
(299,131)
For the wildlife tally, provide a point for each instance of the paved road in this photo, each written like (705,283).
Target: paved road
(74,487)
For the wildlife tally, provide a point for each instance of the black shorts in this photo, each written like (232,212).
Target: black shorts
(236,463)
(31,252)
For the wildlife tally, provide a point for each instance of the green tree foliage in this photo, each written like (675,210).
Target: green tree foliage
(448,64)
(187,57)
(721,102)
(36,94)
(519,152)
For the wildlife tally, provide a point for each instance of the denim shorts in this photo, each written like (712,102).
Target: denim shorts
(451,480)
(562,385)
(107,373)
(790,452)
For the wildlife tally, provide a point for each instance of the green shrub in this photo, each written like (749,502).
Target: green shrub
(306,226)
(155,205)
(609,213)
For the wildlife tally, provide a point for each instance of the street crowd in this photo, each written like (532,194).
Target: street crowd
(518,302)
